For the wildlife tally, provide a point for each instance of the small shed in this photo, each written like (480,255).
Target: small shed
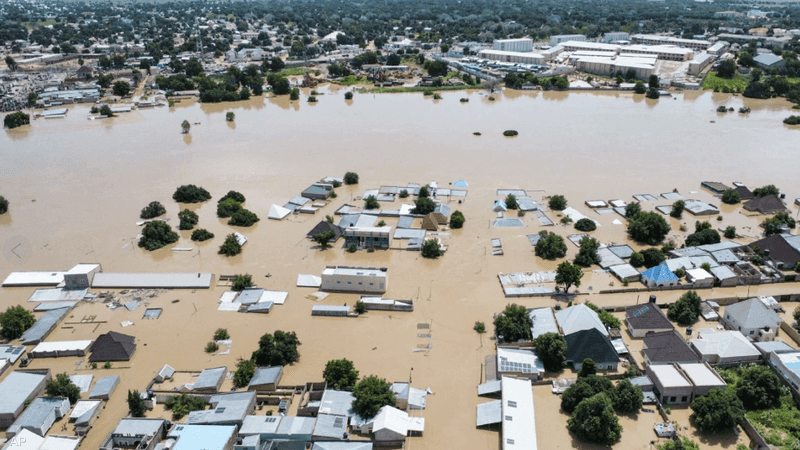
(700,278)
(104,387)
(430,223)
(165,373)
(266,379)
(659,276)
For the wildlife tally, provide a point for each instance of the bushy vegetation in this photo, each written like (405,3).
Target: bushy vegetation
(557,203)
(774,224)
(243,218)
(137,406)
(371,394)
(731,197)
(371,203)
(431,249)
(190,193)
(188,219)
(550,246)
(62,386)
(703,234)
(351,178)
(245,370)
(183,404)
(228,207)
(551,349)
(720,410)
(513,324)
(587,254)
(647,227)
(457,219)
(423,206)
(609,321)
(677,209)
(510,133)
(241,281)
(234,195)
(686,310)
(16,119)
(156,235)
(585,225)
(340,374)
(154,209)
(511,201)
(277,349)
(201,235)
(231,246)
(3,205)
(15,321)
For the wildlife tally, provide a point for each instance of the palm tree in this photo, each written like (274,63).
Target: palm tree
(185,126)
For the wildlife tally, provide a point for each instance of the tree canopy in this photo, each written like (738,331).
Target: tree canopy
(552,350)
(677,209)
(136,404)
(154,209)
(423,206)
(557,203)
(513,324)
(372,394)
(243,218)
(764,191)
(190,193)
(632,209)
(15,321)
(587,254)
(585,224)
(457,220)
(586,387)
(351,178)
(278,349)
(371,203)
(648,228)
(589,367)
(568,275)
(245,370)
(759,388)
(62,386)
(511,201)
(324,238)
(231,246)
(704,234)
(720,410)
(652,257)
(686,310)
(550,246)
(237,196)
(3,205)
(594,420)
(16,119)
(228,207)
(774,224)
(431,249)
(157,234)
(188,219)
(626,397)
(340,374)
(731,197)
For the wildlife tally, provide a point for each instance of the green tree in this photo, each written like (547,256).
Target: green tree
(585,224)
(278,349)
(424,192)
(3,205)
(585,387)
(775,224)
(757,89)
(568,275)
(759,388)
(457,220)
(730,232)
(589,367)
(15,321)
(361,307)
(212,347)
(230,116)
(557,203)
(136,404)
(230,247)
(648,228)
(632,209)
(188,219)
(653,82)
(190,193)
(245,370)
(551,349)
(348,95)
(511,202)
(720,410)
(686,309)
(194,68)
(703,236)
(726,69)
(156,235)
(587,254)
(594,420)
(105,110)
(371,394)
(11,63)
(423,206)
(234,195)
(479,327)
(340,374)
(276,64)
(608,320)
(228,207)
(626,397)
(201,235)
(513,324)
(637,259)
(16,119)
(431,249)
(32,97)
(105,80)
(351,178)
(324,238)
(683,443)
(154,209)
(731,197)
(241,281)
(652,257)
(371,203)
(122,88)
(677,209)
(294,94)
(652,93)
(639,88)
(62,386)
(550,246)
(243,218)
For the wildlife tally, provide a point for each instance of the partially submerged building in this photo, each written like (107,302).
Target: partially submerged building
(113,346)
(40,415)
(659,276)
(644,319)
(226,409)
(519,362)
(206,437)
(136,432)
(591,344)
(368,237)
(682,383)
(266,379)
(60,348)
(15,390)
(210,380)
(666,348)
(769,204)
(753,319)
(354,279)
(724,347)
(579,317)
(104,387)
(43,326)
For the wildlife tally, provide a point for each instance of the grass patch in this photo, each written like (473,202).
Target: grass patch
(351,80)
(295,71)
(714,82)
(383,90)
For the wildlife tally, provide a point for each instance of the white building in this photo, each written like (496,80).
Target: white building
(718,48)
(513,45)
(752,317)
(788,365)
(512,57)
(653,39)
(574,45)
(616,36)
(519,423)
(354,279)
(724,347)
(665,52)
(700,62)
(519,362)
(81,276)
(558,39)
(600,65)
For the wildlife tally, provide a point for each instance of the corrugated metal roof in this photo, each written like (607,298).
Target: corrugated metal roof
(194,280)
(104,387)
(489,413)
(43,326)
(210,378)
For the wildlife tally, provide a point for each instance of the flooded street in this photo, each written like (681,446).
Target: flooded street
(77,186)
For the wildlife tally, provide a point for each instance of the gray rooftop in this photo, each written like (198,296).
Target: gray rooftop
(543,321)
(153,280)
(11,352)
(294,426)
(16,388)
(623,251)
(43,326)
(489,413)
(209,378)
(227,408)
(37,413)
(405,222)
(259,425)
(249,296)
(363,445)
(138,426)
(336,402)
(330,426)
(266,375)
(104,387)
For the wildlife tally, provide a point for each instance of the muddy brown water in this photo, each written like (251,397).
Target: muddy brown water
(76,188)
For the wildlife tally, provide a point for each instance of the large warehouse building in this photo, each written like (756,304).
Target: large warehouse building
(513,45)
(512,57)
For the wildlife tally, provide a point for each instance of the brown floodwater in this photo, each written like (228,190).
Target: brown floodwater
(76,188)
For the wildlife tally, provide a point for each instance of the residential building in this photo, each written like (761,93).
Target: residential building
(591,344)
(518,418)
(664,52)
(724,347)
(11,353)
(769,204)
(84,414)
(512,57)
(318,191)
(28,440)
(767,61)
(333,445)
(579,317)
(43,326)
(368,237)
(703,378)
(392,424)
(210,380)
(519,362)
(266,379)
(561,38)
(60,348)
(543,321)
(112,346)
(682,383)
(513,45)
(656,40)
(337,403)
(325,226)
(104,387)
(329,427)
(15,390)
(788,366)
(644,319)
(659,276)
(577,45)
(752,317)
(206,437)
(700,62)
(765,348)
(226,409)
(40,415)
(616,36)
(666,348)
(408,397)
(718,49)
(700,278)
(81,276)
(354,279)
(783,250)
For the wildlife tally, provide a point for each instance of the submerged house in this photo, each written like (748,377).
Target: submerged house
(368,237)
(113,346)
(591,344)
(354,279)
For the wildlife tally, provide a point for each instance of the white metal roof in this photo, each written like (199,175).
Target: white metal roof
(519,422)
(726,344)
(701,375)
(152,280)
(61,346)
(668,376)
(34,279)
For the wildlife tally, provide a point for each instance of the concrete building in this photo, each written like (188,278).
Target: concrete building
(513,45)
(354,279)
(659,276)
(788,366)
(27,440)
(226,409)
(266,379)
(591,344)
(17,388)
(206,437)
(666,348)
(664,52)
(700,62)
(700,278)
(752,318)
(576,45)
(368,237)
(579,317)
(600,65)
(702,377)
(210,380)
(719,48)
(560,38)
(682,383)
(519,363)
(60,348)
(543,321)
(113,346)
(616,36)
(768,61)
(518,419)
(104,387)
(653,39)
(81,276)
(512,57)
(644,319)
(39,416)
(318,191)
(724,347)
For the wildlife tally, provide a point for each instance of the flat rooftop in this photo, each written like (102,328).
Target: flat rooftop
(152,280)
(669,376)
(354,271)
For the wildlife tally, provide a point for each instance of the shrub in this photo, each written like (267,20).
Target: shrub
(361,307)
(240,282)
(403,193)
(16,119)
(3,205)
(479,327)
(423,206)
(15,321)
(221,334)
(243,218)
(212,347)
(188,219)
(551,247)
(647,227)
(677,209)
(457,220)
(686,310)
(431,249)
(136,404)
(156,235)
(730,232)
(231,246)
(277,349)
(680,273)
(510,133)
(587,254)
(352,247)
(245,370)
(340,374)
(731,197)
(371,203)
(792,120)
(190,193)
(294,94)
(228,207)
(201,235)
(348,95)
(557,203)
(238,196)
(312,99)
(351,178)
(154,209)
(513,324)
(585,225)
(230,116)
(62,386)
(637,259)
(511,202)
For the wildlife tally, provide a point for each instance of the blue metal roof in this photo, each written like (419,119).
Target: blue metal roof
(659,273)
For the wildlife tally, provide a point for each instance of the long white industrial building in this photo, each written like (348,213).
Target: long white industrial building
(654,39)
(512,57)
(354,279)
(513,45)
(609,66)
